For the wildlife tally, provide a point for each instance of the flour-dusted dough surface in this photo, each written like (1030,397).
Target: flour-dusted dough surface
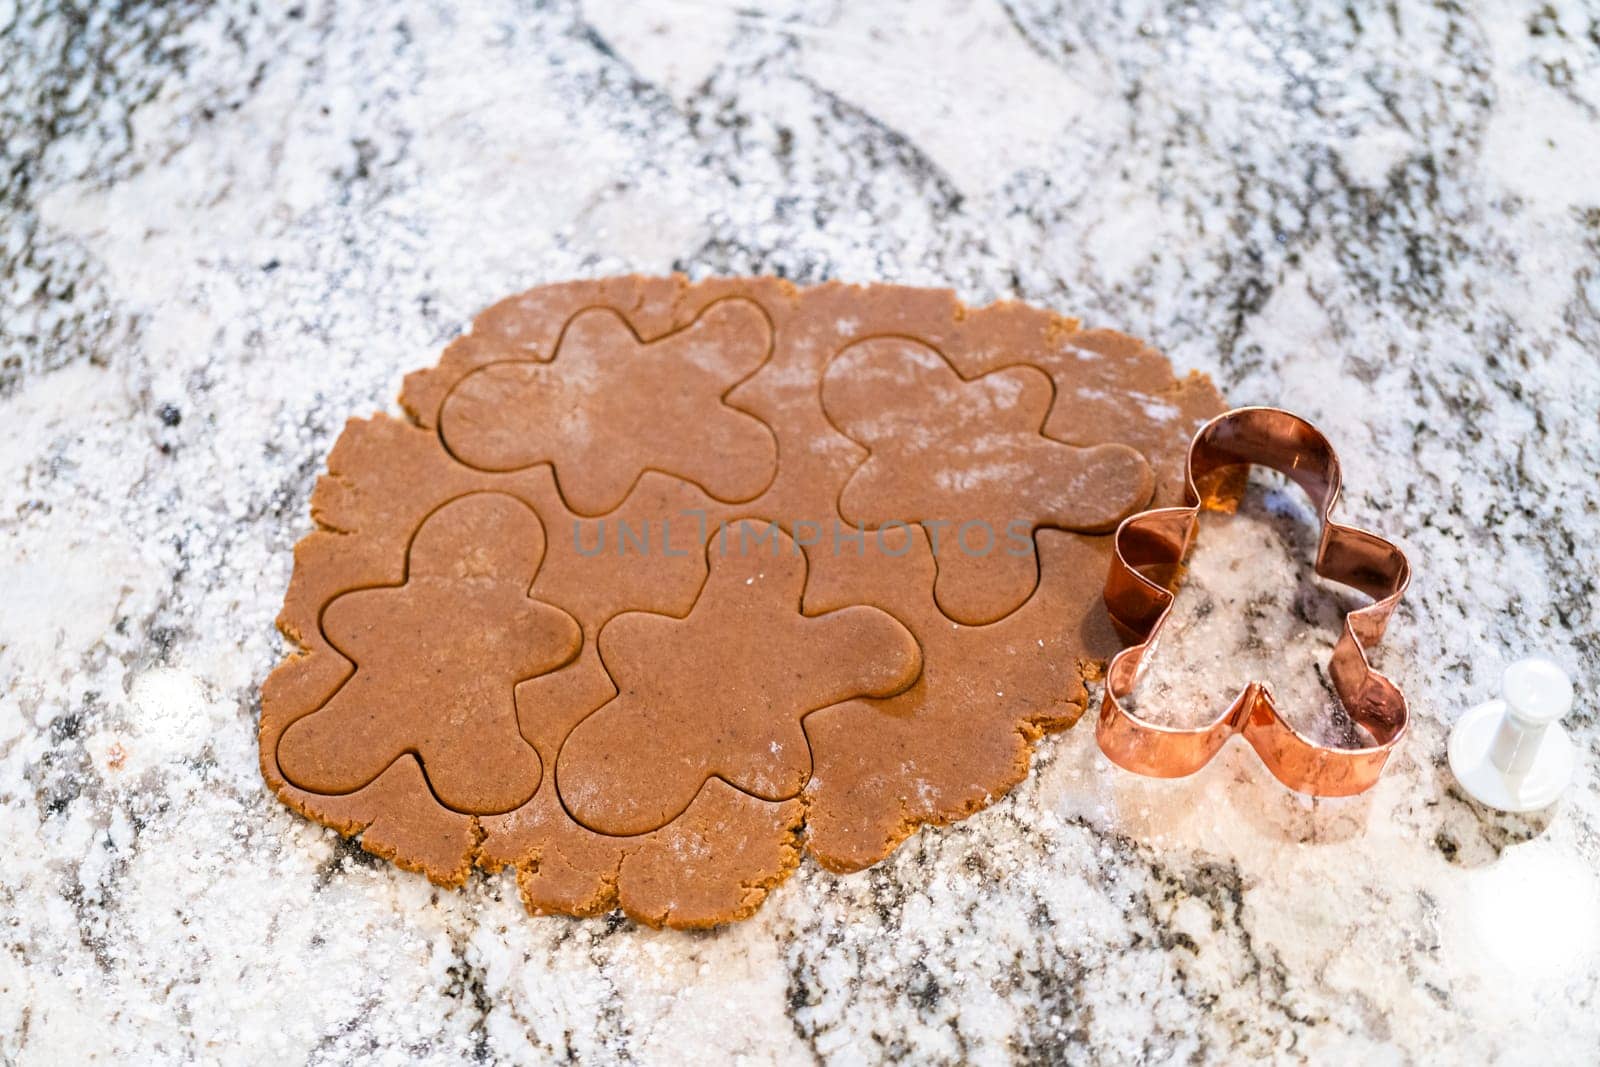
(663,584)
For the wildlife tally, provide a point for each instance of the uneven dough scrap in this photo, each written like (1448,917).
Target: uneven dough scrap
(883,767)
(951,733)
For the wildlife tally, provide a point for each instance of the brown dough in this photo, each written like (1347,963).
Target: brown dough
(437,662)
(967,460)
(635,764)
(668,393)
(657,719)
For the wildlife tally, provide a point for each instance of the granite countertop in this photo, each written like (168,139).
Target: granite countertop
(223,231)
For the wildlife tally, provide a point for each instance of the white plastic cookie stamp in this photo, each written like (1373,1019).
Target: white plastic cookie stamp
(1513,753)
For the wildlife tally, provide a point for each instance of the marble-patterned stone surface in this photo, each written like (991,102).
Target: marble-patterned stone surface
(224,228)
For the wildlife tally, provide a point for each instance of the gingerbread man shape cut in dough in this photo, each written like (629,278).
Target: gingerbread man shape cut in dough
(722,692)
(969,460)
(437,660)
(607,407)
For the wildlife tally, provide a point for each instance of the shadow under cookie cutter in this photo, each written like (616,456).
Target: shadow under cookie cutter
(1156,542)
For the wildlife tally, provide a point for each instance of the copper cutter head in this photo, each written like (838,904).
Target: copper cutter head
(1149,551)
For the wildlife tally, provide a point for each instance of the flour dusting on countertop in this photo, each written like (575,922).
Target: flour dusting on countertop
(226,228)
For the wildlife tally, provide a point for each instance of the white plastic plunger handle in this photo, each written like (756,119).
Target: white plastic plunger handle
(1512,753)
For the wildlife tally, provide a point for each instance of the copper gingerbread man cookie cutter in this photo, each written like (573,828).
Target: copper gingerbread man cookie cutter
(1149,550)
